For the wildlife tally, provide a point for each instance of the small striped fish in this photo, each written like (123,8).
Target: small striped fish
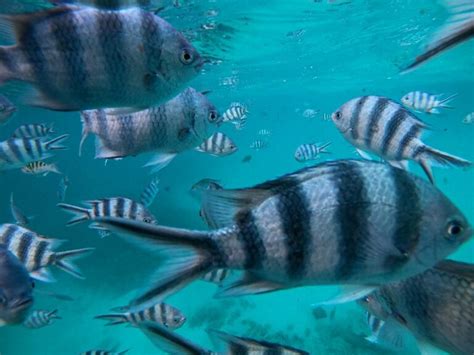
(264,132)
(307,152)
(173,343)
(121,207)
(37,254)
(40,168)
(20,218)
(469,119)
(94,62)
(318,226)
(381,126)
(218,145)
(217,276)
(62,188)
(149,193)
(7,109)
(39,319)
(103,352)
(424,102)
(161,313)
(259,144)
(33,130)
(236,114)
(386,335)
(17,152)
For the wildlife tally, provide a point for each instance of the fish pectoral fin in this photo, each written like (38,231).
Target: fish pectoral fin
(347,294)
(184,133)
(43,274)
(250,284)
(160,160)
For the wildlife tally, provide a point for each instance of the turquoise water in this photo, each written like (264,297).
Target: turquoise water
(279,58)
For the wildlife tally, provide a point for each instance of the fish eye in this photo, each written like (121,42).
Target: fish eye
(454,229)
(186,57)
(147,219)
(213,116)
(338,115)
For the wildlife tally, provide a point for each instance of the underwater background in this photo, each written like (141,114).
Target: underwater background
(280,59)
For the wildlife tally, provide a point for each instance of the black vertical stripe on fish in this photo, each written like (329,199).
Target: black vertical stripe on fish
(39,147)
(391,129)
(141,315)
(409,136)
(26,240)
(8,235)
(152,45)
(68,43)
(163,314)
(110,30)
(133,210)
(29,132)
(249,236)
(4,156)
(294,213)
(40,250)
(353,222)
(12,145)
(28,148)
(408,219)
(419,150)
(120,207)
(102,126)
(152,313)
(238,348)
(126,132)
(106,204)
(355,118)
(374,117)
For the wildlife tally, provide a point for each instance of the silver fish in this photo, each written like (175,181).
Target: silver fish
(17,152)
(259,144)
(62,188)
(306,152)
(458,28)
(172,343)
(424,102)
(33,130)
(20,218)
(236,114)
(469,119)
(162,313)
(205,184)
(264,132)
(36,253)
(40,318)
(16,289)
(80,58)
(218,145)
(377,224)
(40,168)
(7,109)
(103,352)
(121,207)
(436,306)
(149,193)
(382,126)
(167,130)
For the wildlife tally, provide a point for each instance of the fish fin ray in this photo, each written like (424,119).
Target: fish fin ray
(249,285)
(347,294)
(160,161)
(63,260)
(81,214)
(43,274)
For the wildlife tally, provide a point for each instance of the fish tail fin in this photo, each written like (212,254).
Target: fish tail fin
(63,260)
(54,314)
(55,169)
(322,149)
(431,155)
(88,118)
(189,255)
(50,145)
(80,214)
(7,58)
(445,102)
(113,318)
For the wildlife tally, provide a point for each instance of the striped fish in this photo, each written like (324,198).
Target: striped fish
(382,126)
(161,313)
(81,58)
(217,276)
(458,28)
(178,125)
(40,168)
(319,225)
(7,109)
(218,145)
(103,352)
(37,253)
(435,306)
(33,130)
(236,114)
(424,102)
(39,319)
(62,188)
(20,218)
(18,152)
(172,343)
(264,132)
(307,152)
(259,144)
(387,335)
(120,207)
(149,193)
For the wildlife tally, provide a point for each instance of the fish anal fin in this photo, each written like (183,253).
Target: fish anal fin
(250,284)
(43,274)
(160,161)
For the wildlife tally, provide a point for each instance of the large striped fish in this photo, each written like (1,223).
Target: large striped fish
(173,343)
(17,152)
(80,58)
(167,130)
(37,253)
(121,207)
(458,28)
(161,313)
(344,222)
(383,127)
(437,306)
(33,130)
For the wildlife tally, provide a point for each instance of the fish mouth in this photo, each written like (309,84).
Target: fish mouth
(27,302)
